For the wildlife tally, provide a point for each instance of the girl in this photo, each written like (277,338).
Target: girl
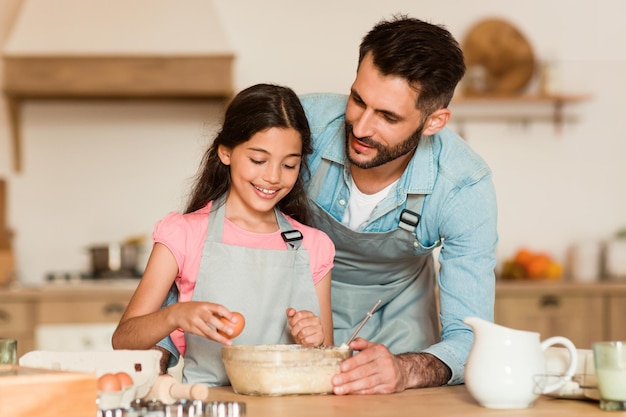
(241,245)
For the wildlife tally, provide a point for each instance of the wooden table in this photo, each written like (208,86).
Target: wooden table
(431,402)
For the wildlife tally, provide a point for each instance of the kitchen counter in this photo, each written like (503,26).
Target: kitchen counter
(431,402)
(507,287)
(25,310)
(79,289)
(583,312)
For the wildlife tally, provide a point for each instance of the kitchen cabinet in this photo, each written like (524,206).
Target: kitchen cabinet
(91,308)
(17,321)
(617,317)
(25,310)
(582,312)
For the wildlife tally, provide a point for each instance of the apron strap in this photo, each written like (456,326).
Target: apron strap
(217,227)
(316,183)
(410,217)
(292,237)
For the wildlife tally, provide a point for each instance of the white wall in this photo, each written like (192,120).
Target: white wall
(121,167)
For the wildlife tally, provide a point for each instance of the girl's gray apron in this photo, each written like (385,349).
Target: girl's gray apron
(259,283)
(391,266)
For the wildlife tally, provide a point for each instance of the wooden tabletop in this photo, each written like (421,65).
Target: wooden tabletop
(431,402)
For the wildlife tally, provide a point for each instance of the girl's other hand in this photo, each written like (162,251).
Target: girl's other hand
(306,327)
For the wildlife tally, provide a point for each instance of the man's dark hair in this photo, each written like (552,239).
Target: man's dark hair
(424,54)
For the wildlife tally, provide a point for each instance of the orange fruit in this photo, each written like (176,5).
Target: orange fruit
(538,266)
(554,271)
(523,257)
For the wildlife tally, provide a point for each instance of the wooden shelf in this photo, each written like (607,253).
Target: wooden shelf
(522,98)
(520,108)
(140,77)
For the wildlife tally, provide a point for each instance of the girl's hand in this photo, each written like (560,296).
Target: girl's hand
(202,319)
(306,327)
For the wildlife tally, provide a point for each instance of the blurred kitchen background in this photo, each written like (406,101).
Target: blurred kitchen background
(92,171)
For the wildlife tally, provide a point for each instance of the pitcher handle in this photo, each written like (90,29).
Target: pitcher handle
(573,361)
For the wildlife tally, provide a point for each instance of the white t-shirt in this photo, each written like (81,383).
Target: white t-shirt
(361,205)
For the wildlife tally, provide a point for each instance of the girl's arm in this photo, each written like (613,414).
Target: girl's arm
(326,312)
(144,323)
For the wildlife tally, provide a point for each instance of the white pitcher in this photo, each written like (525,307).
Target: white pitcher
(506,367)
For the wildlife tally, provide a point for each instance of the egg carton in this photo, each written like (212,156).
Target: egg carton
(141,365)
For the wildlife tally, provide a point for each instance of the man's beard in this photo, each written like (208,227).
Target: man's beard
(385,154)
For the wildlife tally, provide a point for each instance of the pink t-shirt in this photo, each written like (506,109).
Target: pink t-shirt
(184,235)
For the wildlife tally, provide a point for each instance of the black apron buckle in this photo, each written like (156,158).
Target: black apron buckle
(409,220)
(292,238)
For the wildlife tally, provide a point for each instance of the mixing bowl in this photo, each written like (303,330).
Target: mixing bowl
(282,369)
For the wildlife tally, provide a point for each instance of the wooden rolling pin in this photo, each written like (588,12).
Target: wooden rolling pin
(167,390)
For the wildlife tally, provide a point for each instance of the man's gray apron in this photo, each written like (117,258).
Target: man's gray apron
(389,266)
(259,283)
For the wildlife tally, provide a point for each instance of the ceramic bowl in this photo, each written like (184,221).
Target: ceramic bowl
(272,370)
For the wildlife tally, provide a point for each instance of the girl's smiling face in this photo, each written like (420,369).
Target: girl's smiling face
(263,170)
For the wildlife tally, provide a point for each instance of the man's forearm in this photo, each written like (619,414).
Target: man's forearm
(422,370)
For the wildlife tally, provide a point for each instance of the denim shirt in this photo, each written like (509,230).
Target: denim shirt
(458,213)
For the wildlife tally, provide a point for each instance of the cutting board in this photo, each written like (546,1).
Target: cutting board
(33,392)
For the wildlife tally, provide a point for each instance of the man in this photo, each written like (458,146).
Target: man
(389,184)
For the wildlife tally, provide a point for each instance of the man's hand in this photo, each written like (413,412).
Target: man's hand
(375,370)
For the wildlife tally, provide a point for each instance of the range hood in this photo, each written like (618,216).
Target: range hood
(144,49)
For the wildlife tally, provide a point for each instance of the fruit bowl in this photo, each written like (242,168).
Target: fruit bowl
(272,370)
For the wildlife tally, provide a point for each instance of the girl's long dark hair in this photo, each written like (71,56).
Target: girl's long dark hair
(257,108)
